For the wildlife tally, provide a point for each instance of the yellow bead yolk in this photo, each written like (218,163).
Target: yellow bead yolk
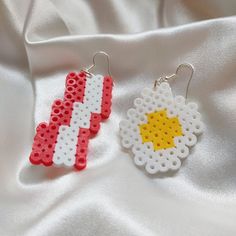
(160,130)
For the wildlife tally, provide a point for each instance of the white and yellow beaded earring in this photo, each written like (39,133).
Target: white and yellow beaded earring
(161,127)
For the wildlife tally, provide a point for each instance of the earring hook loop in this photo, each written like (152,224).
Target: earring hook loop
(87,70)
(173,76)
(190,66)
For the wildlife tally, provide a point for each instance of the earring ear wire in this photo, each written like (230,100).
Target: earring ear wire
(174,76)
(87,70)
(190,66)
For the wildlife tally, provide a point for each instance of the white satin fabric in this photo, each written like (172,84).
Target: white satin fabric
(112,197)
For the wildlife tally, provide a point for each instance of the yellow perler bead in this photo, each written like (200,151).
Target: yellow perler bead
(160,130)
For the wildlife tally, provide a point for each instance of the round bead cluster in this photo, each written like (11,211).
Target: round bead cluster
(154,102)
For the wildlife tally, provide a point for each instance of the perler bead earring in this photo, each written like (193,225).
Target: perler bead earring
(64,139)
(161,127)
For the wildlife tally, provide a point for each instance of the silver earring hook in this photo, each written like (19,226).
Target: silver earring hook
(87,70)
(190,66)
(173,76)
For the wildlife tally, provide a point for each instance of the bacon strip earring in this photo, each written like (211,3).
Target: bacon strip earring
(87,101)
(161,127)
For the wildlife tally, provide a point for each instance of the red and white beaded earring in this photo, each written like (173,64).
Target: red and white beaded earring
(64,139)
(161,127)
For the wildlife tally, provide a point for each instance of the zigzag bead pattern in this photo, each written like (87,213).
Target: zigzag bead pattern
(160,144)
(64,140)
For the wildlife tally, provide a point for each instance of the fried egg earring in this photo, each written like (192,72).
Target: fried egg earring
(161,127)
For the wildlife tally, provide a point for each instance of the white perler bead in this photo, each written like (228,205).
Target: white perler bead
(151,101)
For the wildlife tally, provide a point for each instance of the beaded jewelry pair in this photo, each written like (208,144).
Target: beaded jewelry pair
(159,130)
